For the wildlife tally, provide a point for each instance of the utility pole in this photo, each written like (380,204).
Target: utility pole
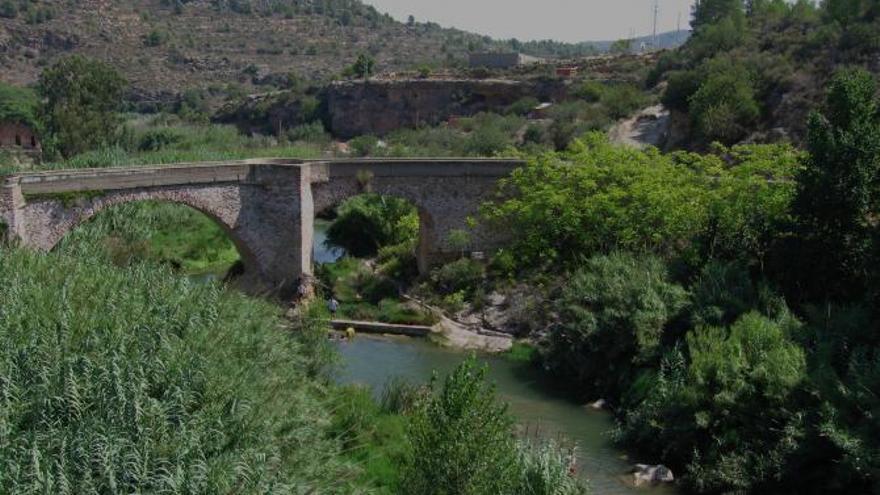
(656,13)
(678,28)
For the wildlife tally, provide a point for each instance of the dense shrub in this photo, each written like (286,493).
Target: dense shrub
(621,100)
(157,139)
(313,132)
(612,314)
(463,443)
(464,275)
(368,222)
(462,439)
(598,197)
(722,410)
(724,106)
(838,198)
(363,145)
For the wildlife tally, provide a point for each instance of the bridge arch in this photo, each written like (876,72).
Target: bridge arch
(67,214)
(84,215)
(327,202)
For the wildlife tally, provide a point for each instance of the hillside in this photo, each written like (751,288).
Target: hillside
(167,46)
(754,74)
(163,47)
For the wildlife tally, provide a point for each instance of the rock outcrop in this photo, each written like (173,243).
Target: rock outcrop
(380,106)
(644,474)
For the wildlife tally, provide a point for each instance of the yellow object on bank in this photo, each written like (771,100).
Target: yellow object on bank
(349,332)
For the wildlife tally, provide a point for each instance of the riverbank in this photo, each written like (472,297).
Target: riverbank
(375,361)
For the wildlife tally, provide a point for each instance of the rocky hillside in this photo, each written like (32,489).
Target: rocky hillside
(170,45)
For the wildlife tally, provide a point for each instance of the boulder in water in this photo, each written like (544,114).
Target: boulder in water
(647,474)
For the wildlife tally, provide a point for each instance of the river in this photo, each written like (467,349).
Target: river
(373,361)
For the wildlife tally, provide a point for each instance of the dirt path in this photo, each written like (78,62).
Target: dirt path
(649,127)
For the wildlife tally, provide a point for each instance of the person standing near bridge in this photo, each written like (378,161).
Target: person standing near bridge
(333,306)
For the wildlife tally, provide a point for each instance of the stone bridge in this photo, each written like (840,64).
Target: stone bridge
(266,206)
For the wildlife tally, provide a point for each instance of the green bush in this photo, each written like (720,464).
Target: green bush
(463,443)
(722,293)
(8,9)
(157,139)
(612,316)
(724,413)
(597,198)
(487,140)
(545,469)
(464,275)
(313,132)
(591,91)
(366,223)
(18,105)
(462,439)
(523,106)
(724,107)
(363,145)
(682,84)
(621,100)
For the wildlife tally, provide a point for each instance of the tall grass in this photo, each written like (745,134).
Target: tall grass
(167,233)
(135,381)
(157,144)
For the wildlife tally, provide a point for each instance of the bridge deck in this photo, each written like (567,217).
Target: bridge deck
(115,178)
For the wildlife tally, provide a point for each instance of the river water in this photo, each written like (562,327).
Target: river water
(373,361)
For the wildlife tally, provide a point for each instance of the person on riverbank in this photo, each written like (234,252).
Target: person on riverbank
(333,306)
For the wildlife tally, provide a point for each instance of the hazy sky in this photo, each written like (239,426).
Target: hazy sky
(564,20)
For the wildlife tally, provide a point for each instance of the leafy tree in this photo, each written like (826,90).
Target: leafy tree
(369,222)
(598,198)
(708,12)
(363,67)
(612,314)
(621,46)
(838,196)
(81,99)
(462,439)
(724,106)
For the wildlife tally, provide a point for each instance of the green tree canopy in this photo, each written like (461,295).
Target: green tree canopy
(18,104)
(838,197)
(711,11)
(82,98)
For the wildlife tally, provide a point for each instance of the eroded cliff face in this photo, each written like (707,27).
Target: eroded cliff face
(380,106)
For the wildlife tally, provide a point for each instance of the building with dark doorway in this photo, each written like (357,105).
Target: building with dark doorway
(19,144)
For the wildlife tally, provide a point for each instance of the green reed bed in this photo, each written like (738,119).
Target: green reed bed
(135,381)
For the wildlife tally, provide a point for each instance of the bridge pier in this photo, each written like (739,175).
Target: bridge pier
(11,201)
